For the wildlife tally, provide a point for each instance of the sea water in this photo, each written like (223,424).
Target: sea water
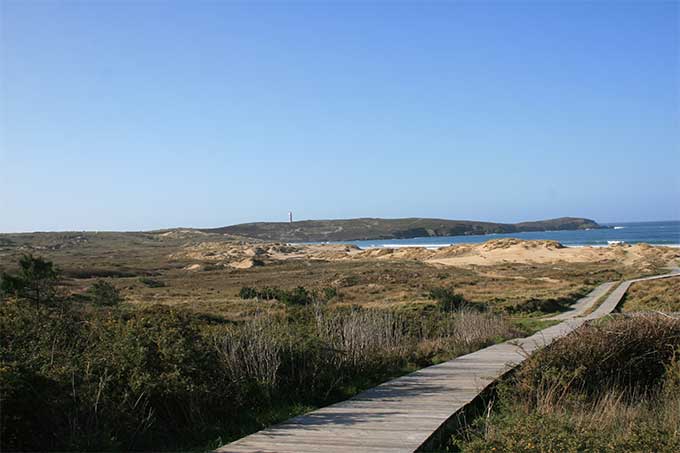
(654,233)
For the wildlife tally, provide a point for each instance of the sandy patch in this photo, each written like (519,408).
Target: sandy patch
(516,251)
(243,264)
(243,255)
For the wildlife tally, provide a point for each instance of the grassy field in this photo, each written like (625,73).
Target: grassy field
(152,268)
(108,377)
(140,345)
(656,295)
(611,386)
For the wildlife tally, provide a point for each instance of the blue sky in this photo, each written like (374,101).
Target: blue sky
(128,115)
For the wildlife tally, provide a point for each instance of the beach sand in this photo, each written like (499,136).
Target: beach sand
(492,252)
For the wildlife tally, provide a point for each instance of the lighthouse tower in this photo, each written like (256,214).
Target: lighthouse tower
(290,216)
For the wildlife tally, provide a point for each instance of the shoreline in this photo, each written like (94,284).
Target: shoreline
(438,246)
(658,234)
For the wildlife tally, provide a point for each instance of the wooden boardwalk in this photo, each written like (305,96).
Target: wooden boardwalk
(402,414)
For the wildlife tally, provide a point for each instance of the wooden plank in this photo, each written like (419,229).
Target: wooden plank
(401,415)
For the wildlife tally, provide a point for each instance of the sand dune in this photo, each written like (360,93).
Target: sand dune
(492,252)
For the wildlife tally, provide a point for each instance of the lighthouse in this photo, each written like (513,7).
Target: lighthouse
(290,216)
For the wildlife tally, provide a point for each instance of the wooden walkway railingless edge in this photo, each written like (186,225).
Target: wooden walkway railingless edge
(402,414)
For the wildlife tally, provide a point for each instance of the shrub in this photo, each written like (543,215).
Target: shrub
(165,378)
(611,386)
(625,353)
(363,336)
(151,282)
(252,352)
(107,381)
(248,293)
(298,296)
(550,305)
(447,300)
(29,400)
(104,293)
(157,361)
(330,293)
(36,281)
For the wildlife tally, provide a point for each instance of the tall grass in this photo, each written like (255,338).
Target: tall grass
(653,295)
(322,354)
(251,353)
(358,337)
(613,386)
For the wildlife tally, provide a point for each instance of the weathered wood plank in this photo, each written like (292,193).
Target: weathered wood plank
(402,414)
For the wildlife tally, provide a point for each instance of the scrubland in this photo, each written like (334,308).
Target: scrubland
(656,295)
(612,385)
(81,375)
(186,340)
(205,272)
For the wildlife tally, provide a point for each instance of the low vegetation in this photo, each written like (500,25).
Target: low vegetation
(103,293)
(151,282)
(192,270)
(36,281)
(357,229)
(135,343)
(297,296)
(448,300)
(84,371)
(653,295)
(611,386)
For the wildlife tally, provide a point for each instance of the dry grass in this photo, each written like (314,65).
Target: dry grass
(612,386)
(358,336)
(252,352)
(615,421)
(269,349)
(124,258)
(625,352)
(655,295)
(468,328)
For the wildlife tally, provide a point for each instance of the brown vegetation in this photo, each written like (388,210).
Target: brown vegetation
(611,386)
(205,272)
(103,376)
(654,295)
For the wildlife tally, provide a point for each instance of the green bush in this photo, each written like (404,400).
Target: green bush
(103,293)
(330,293)
(297,296)
(29,400)
(248,293)
(110,380)
(36,282)
(151,282)
(447,300)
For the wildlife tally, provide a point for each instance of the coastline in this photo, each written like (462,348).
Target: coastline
(438,246)
(658,234)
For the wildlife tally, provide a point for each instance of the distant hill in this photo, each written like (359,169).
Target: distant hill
(368,228)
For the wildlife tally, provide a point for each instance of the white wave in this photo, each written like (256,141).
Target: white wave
(401,246)
(438,246)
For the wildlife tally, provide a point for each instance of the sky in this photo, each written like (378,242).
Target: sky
(137,115)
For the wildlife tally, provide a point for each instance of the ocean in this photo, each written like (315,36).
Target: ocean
(655,233)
